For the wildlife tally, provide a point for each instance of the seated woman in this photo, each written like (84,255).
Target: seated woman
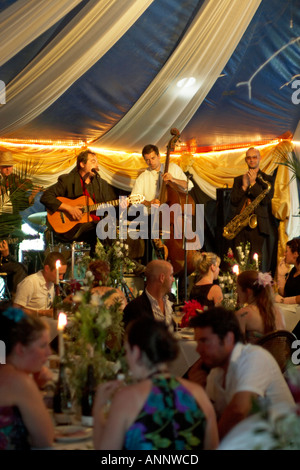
(259,316)
(158,411)
(207,267)
(24,419)
(289,279)
(100,270)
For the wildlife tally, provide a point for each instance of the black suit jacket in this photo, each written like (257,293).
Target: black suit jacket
(238,197)
(69,186)
(137,308)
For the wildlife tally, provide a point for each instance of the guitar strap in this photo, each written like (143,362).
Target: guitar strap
(88,195)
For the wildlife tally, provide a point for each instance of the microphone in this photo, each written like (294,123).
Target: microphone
(95,171)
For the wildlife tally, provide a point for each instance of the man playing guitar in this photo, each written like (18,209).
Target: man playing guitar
(81,181)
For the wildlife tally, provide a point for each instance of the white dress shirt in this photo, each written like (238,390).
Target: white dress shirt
(147,183)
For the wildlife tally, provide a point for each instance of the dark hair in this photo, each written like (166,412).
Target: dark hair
(18,327)
(83,156)
(294,245)
(100,270)
(153,338)
(150,148)
(220,320)
(263,297)
(52,257)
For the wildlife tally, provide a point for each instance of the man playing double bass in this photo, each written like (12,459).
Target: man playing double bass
(149,182)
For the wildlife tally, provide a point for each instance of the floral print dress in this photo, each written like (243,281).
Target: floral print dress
(13,434)
(170,419)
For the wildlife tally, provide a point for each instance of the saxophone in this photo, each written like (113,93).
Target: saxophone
(247,216)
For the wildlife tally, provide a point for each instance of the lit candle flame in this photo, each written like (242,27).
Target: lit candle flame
(57,265)
(236,269)
(255,257)
(62,321)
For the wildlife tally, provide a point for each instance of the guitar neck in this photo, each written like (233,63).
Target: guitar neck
(93,207)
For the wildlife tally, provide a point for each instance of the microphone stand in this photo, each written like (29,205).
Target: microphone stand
(189,176)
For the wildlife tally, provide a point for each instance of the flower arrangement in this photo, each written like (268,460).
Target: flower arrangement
(116,254)
(236,265)
(243,261)
(192,308)
(94,337)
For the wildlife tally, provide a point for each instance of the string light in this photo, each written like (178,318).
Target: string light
(42,144)
(219,149)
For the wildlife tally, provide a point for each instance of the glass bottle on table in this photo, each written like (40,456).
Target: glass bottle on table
(57,301)
(62,400)
(87,398)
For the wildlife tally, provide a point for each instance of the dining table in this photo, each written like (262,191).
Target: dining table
(291,314)
(187,352)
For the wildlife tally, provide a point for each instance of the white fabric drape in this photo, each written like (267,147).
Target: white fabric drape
(293,222)
(17,29)
(91,33)
(202,54)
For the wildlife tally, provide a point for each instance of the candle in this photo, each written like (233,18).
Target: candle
(255,257)
(57,266)
(236,269)
(62,321)
(73,260)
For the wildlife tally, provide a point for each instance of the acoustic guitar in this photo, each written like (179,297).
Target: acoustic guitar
(61,222)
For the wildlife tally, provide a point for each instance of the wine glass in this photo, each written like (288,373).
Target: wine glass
(177,317)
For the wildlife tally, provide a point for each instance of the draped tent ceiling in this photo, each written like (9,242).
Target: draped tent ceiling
(110,75)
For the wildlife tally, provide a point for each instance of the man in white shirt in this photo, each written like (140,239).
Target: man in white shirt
(35,294)
(240,373)
(148,183)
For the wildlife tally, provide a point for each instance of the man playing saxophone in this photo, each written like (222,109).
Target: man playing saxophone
(256,189)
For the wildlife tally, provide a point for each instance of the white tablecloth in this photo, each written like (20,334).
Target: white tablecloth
(291,314)
(186,358)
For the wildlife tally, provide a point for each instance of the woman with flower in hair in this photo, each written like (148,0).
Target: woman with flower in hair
(205,291)
(25,422)
(259,315)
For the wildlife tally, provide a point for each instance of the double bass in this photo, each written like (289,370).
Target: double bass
(174,248)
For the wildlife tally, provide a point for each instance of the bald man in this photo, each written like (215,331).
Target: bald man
(246,188)
(154,301)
